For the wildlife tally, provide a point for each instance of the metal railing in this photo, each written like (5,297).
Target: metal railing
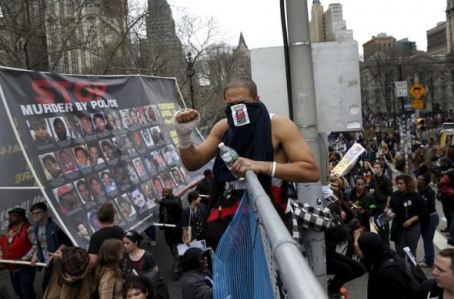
(296,275)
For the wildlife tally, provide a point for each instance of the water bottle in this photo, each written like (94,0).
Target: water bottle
(229,156)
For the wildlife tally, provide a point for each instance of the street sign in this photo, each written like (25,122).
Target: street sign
(417,104)
(417,91)
(401,89)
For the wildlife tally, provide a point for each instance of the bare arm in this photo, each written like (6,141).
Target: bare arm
(195,157)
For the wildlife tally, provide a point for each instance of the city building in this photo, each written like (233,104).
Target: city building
(329,25)
(450,26)
(86,38)
(436,40)
(381,43)
(317,27)
(165,47)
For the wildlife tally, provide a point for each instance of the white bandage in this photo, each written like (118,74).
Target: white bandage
(184,130)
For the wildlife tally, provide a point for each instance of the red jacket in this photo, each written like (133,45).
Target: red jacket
(19,246)
(445,186)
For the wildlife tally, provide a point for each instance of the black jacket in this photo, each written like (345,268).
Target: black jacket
(383,188)
(196,285)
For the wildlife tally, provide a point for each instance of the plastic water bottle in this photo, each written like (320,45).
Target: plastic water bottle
(229,156)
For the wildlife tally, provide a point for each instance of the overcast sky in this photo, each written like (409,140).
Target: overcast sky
(259,20)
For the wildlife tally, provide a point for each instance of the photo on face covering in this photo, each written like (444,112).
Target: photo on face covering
(86,124)
(168,180)
(50,166)
(83,189)
(100,123)
(124,113)
(96,186)
(126,208)
(142,116)
(110,186)
(67,199)
(140,203)
(60,128)
(157,135)
(147,138)
(66,161)
(40,131)
(140,168)
(158,185)
(170,155)
(82,157)
(114,120)
(177,176)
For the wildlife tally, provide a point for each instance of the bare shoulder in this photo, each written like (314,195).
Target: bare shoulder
(283,126)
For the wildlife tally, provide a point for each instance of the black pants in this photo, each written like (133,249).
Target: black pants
(447,211)
(343,268)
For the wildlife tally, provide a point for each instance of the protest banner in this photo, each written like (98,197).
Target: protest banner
(349,160)
(91,139)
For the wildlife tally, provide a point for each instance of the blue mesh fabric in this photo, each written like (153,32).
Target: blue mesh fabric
(240,266)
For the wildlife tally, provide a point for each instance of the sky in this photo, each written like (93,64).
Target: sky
(259,20)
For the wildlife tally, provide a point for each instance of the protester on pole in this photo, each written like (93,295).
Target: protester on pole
(18,242)
(50,238)
(442,285)
(269,145)
(106,216)
(430,220)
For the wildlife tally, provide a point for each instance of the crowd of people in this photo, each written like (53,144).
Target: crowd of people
(115,265)
(377,202)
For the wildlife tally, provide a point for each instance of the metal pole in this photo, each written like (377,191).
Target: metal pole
(189,74)
(297,277)
(305,117)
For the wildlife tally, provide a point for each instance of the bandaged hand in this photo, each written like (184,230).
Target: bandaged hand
(186,120)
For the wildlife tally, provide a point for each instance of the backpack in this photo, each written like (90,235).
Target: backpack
(413,274)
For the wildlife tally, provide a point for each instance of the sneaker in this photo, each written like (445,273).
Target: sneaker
(423,264)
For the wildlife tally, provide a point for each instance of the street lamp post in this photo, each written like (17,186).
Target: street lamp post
(189,74)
